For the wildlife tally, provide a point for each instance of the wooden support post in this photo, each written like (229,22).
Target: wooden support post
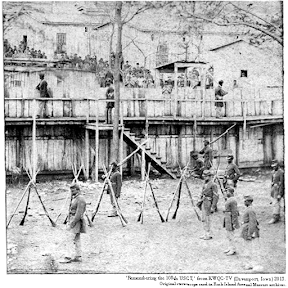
(143,165)
(204,95)
(244,116)
(194,132)
(97,143)
(176,90)
(121,138)
(34,147)
(86,154)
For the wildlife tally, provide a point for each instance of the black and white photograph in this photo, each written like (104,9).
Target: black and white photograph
(145,140)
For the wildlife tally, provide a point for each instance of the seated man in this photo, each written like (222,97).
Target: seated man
(198,166)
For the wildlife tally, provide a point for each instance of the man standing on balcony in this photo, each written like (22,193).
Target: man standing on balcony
(207,151)
(42,87)
(219,94)
(110,105)
(277,190)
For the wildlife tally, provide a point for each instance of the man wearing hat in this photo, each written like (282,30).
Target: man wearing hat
(77,224)
(231,220)
(198,166)
(209,191)
(116,182)
(232,173)
(277,190)
(42,87)
(250,231)
(207,151)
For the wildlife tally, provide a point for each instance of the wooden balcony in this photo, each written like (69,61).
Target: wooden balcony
(156,110)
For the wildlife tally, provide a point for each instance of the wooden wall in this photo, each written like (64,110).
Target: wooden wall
(57,150)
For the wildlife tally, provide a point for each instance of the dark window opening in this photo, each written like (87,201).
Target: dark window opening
(61,43)
(86,29)
(25,42)
(244,73)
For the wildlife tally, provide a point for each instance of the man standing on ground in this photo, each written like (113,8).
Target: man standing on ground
(42,87)
(277,190)
(250,232)
(116,182)
(219,94)
(77,224)
(207,151)
(209,191)
(232,173)
(231,221)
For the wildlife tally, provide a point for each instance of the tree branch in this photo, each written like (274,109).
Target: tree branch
(273,36)
(139,10)
(248,12)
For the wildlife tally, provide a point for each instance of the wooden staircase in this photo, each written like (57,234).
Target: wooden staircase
(134,142)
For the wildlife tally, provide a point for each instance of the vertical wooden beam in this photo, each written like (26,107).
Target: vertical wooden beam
(86,154)
(97,142)
(244,116)
(143,164)
(204,94)
(34,147)
(194,132)
(176,90)
(121,144)
(237,152)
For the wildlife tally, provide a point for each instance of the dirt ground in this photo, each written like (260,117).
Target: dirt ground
(151,247)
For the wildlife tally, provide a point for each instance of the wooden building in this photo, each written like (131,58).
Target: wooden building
(177,123)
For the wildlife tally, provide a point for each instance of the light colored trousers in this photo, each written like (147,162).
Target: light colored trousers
(206,219)
(231,240)
(75,249)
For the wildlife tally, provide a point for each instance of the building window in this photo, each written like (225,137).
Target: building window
(244,73)
(61,43)
(162,54)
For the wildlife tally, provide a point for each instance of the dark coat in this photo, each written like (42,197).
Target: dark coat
(277,183)
(219,94)
(209,192)
(207,151)
(250,224)
(42,87)
(231,215)
(116,182)
(77,210)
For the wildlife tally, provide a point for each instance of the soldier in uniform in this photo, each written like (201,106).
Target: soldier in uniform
(198,167)
(231,221)
(116,182)
(77,224)
(277,190)
(232,173)
(207,151)
(250,232)
(209,191)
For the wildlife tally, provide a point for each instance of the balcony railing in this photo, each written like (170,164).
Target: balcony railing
(142,108)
